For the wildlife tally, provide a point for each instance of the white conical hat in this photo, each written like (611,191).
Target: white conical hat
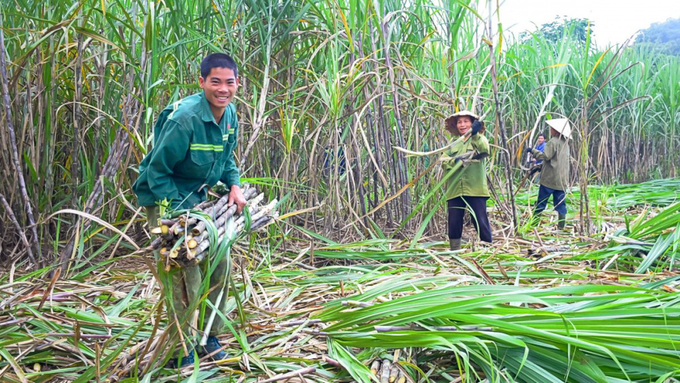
(561,125)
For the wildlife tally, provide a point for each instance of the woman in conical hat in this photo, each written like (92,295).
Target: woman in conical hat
(469,190)
(451,122)
(555,170)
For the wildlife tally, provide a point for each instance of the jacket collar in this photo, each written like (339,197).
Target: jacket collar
(206,112)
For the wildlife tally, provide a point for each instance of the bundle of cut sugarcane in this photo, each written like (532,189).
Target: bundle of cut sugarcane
(185,240)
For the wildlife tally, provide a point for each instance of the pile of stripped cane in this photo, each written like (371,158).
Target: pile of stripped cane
(185,240)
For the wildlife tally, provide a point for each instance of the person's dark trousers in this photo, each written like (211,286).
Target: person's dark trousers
(559,199)
(456,210)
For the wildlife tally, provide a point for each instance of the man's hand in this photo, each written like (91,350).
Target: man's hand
(236,196)
(528,150)
(535,169)
(476,127)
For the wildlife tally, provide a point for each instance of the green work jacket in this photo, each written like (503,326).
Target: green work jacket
(472,181)
(555,170)
(190,153)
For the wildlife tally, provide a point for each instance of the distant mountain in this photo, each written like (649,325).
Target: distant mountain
(664,36)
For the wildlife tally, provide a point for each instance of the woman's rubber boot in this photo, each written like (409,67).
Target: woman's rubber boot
(212,346)
(561,221)
(454,244)
(185,361)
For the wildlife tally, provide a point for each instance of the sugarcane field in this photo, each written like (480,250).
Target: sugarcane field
(340,191)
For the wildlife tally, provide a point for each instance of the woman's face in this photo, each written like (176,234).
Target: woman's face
(464,124)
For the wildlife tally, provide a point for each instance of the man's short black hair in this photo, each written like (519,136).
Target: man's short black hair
(541,135)
(217,60)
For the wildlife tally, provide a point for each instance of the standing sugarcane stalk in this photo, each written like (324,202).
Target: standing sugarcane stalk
(499,119)
(20,232)
(15,148)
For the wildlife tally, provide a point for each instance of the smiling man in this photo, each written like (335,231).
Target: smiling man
(194,142)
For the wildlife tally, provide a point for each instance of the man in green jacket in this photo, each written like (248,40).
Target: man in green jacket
(555,170)
(194,142)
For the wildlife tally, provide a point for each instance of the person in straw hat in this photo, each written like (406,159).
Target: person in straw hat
(470,190)
(555,171)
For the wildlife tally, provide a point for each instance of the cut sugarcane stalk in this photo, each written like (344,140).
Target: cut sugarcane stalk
(385,371)
(168,222)
(188,241)
(192,243)
(411,153)
(375,367)
(160,230)
(394,373)
(200,226)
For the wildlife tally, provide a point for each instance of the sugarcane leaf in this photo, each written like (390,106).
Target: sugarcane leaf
(662,244)
(115,311)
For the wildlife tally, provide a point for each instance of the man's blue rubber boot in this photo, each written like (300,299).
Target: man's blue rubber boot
(213,345)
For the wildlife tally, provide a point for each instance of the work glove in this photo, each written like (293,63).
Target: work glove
(444,158)
(220,189)
(528,150)
(476,127)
